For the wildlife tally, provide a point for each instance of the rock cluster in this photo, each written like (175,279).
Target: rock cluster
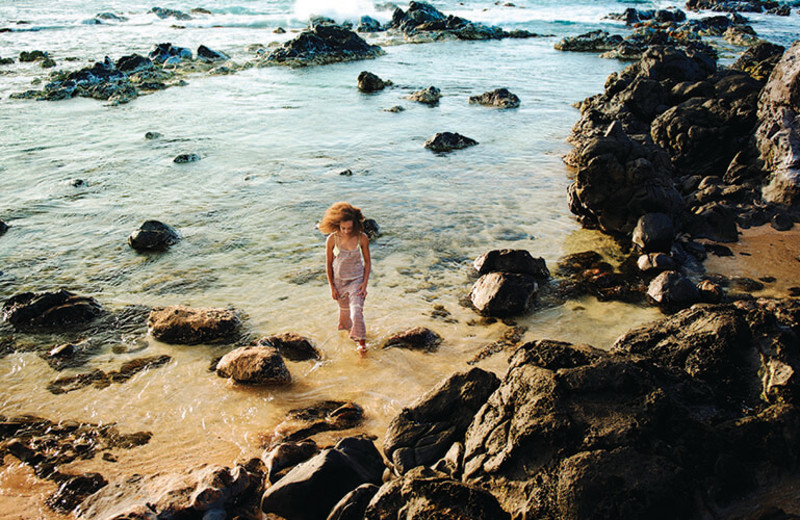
(324,43)
(60,310)
(499,98)
(422,22)
(671,134)
(126,79)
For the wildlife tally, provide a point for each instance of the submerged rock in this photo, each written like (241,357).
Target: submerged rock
(254,365)
(449,141)
(325,43)
(60,310)
(302,423)
(594,41)
(153,235)
(73,490)
(293,347)
(190,326)
(186,158)
(3,228)
(418,338)
(499,98)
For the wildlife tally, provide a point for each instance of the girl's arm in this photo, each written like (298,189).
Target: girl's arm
(329,266)
(367,264)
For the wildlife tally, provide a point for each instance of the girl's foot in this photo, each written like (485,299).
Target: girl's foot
(361,348)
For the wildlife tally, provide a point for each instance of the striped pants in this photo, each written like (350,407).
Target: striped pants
(351,308)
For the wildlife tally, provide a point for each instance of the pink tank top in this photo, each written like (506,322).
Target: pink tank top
(347,263)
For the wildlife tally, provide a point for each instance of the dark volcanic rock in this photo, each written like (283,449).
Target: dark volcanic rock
(673,289)
(3,228)
(418,338)
(499,98)
(423,432)
(654,232)
(324,44)
(207,54)
(511,261)
(448,141)
(574,432)
(163,13)
(74,490)
(286,455)
(619,180)
(778,135)
(164,51)
(293,347)
(58,310)
(353,505)
(153,235)
(369,82)
(424,21)
(134,63)
(302,423)
(254,365)
(424,494)
(189,326)
(503,294)
(594,41)
(101,379)
(327,478)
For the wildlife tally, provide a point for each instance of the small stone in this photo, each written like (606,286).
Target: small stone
(395,109)
(710,292)
(66,350)
(279,30)
(186,158)
(781,222)
(152,135)
(500,98)
(346,173)
(428,96)
(79,183)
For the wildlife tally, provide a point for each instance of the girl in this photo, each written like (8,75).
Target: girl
(347,264)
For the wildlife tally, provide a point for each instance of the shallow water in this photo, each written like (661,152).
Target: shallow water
(273,142)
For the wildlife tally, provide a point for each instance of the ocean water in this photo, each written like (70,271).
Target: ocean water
(273,142)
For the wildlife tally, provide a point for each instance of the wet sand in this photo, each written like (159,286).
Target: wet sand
(762,253)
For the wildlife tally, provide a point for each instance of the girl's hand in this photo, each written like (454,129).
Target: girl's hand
(334,293)
(362,289)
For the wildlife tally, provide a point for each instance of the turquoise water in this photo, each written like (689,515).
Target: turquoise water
(273,142)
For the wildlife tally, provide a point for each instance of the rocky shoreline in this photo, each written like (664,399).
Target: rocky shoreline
(693,416)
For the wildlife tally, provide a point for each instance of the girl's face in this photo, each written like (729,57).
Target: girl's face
(346,227)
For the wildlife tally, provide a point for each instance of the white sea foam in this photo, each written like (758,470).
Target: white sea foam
(340,11)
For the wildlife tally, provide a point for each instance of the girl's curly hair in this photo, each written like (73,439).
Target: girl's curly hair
(341,212)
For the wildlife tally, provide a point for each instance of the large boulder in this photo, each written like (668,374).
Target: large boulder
(310,490)
(153,235)
(503,294)
(190,326)
(58,310)
(423,431)
(778,134)
(424,494)
(254,365)
(511,261)
(325,43)
(449,141)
